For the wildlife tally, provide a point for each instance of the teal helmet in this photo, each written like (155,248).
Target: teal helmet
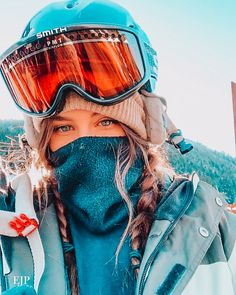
(79,21)
(95,12)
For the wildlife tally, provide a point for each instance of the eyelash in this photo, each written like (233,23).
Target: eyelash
(59,128)
(107,120)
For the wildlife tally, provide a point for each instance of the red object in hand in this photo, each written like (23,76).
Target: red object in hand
(24,225)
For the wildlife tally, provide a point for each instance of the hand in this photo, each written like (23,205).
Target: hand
(17,223)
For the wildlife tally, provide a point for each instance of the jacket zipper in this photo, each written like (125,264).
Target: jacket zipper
(151,259)
(159,245)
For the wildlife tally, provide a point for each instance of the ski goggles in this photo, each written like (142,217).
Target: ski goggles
(104,66)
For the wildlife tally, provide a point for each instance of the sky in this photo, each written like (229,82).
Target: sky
(196,46)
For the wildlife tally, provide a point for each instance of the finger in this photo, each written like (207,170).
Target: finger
(21,184)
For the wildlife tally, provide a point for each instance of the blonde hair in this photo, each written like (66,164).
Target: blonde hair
(139,224)
(156,166)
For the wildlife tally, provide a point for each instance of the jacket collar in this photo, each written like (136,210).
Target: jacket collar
(183,199)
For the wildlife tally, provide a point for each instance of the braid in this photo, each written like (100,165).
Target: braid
(69,256)
(60,213)
(146,206)
(156,165)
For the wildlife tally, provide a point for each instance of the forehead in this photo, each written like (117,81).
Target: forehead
(76,114)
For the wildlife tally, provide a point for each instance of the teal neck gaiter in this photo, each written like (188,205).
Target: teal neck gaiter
(85,172)
(97,214)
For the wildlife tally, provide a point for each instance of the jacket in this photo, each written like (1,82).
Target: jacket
(191,247)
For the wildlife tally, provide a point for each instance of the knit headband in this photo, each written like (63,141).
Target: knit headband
(141,112)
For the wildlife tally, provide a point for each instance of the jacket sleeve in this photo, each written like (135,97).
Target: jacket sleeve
(23,290)
(228,236)
(7,203)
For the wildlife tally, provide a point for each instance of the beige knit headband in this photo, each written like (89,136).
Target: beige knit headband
(141,112)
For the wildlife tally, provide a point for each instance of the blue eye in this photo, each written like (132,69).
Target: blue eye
(107,122)
(63,128)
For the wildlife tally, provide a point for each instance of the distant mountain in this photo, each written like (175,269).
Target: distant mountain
(214,167)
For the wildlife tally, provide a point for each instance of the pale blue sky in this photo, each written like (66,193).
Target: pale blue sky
(196,45)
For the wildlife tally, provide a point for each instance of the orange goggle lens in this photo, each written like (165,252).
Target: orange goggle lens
(102,63)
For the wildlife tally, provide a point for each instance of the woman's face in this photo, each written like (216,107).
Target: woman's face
(70,125)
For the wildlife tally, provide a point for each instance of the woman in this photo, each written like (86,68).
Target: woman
(110,215)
